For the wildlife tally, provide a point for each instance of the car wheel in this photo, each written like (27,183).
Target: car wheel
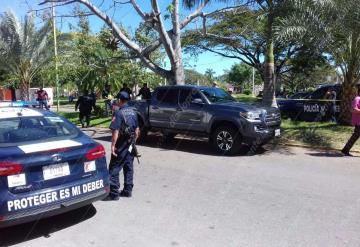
(226,140)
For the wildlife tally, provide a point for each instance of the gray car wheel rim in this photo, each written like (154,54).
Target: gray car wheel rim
(224,140)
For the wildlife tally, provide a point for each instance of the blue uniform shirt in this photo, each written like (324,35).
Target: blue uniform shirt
(125,115)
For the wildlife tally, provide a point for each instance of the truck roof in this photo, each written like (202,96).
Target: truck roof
(185,86)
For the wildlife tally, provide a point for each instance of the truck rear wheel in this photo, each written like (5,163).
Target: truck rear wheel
(226,140)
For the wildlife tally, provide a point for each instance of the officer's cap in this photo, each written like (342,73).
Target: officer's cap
(123,95)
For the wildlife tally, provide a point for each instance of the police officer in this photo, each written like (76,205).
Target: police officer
(126,89)
(85,103)
(124,127)
(144,92)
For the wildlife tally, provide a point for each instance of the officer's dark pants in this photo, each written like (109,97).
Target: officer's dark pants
(124,161)
(355,136)
(84,117)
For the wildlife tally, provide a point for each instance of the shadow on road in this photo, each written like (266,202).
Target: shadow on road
(45,227)
(197,145)
(328,154)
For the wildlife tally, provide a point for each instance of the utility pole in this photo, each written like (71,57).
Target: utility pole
(56,55)
(253,81)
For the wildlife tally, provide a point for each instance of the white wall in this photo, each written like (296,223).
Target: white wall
(33,96)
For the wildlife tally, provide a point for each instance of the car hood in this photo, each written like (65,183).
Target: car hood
(240,106)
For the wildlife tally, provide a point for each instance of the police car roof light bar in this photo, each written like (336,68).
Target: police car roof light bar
(18,103)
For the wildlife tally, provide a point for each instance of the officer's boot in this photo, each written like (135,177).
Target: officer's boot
(127,191)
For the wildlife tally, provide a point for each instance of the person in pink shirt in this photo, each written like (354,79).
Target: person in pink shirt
(355,120)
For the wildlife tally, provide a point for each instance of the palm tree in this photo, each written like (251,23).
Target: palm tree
(210,73)
(23,50)
(332,25)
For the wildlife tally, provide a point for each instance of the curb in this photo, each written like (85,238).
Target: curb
(313,147)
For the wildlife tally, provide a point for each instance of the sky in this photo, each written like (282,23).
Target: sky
(125,15)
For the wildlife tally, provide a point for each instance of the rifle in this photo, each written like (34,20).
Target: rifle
(132,148)
(127,131)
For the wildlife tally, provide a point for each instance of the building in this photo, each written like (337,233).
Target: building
(6,94)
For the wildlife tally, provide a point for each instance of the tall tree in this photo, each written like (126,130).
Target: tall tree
(158,20)
(23,50)
(264,14)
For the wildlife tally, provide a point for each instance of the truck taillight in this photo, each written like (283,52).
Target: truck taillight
(9,168)
(95,153)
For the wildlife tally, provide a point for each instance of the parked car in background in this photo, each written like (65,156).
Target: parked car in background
(314,106)
(299,95)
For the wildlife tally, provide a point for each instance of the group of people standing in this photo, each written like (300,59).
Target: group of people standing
(144,92)
(87,101)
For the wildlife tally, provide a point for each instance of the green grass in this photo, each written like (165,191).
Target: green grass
(96,121)
(316,134)
(97,117)
(245,98)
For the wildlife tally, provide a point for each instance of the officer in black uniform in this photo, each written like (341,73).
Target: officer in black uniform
(144,92)
(124,127)
(85,103)
(126,89)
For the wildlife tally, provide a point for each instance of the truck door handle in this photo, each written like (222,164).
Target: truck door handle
(155,107)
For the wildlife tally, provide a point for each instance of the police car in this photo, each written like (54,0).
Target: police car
(47,166)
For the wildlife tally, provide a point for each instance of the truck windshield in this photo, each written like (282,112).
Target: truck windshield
(216,95)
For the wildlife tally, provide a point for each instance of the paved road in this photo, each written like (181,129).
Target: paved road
(185,196)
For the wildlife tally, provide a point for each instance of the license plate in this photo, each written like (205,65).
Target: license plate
(277,132)
(89,166)
(56,171)
(16,180)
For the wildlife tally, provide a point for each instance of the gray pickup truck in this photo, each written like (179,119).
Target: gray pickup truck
(207,111)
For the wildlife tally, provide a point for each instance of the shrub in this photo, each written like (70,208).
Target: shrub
(247,91)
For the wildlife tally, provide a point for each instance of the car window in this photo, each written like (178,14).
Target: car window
(25,130)
(319,93)
(187,95)
(216,95)
(167,95)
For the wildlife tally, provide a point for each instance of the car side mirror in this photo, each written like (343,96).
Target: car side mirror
(197,101)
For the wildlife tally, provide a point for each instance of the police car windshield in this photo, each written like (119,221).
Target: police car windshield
(25,130)
(216,95)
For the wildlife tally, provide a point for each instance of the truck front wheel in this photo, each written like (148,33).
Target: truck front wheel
(226,140)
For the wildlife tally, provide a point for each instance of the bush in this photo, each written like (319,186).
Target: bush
(247,91)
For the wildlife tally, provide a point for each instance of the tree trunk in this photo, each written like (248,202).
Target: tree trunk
(348,94)
(24,90)
(177,67)
(269,83)
(177,74)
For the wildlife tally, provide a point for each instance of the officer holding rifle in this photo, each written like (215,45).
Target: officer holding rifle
(125,132)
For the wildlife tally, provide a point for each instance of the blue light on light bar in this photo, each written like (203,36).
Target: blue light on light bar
(19,104)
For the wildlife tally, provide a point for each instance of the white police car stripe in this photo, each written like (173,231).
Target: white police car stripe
(12,112)
(44,146)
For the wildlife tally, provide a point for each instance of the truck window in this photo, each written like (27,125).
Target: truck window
(187,95)
(167,95)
